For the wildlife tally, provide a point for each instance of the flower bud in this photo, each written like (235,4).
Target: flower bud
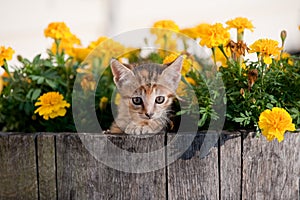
(242,92)
(283,35)
(252,76)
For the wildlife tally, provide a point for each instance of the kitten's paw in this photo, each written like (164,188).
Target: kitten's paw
(106,131)
(138,130)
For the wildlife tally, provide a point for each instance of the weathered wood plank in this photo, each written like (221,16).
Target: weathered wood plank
(271,170)
(82,176)
(18,174)
(191,177)
(46,166)
(230,165)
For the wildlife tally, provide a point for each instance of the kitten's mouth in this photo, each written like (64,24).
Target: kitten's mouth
(147,118)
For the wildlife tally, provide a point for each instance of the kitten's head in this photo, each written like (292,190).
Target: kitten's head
(148,89)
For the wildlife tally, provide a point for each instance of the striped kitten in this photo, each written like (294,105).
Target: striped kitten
(147,92)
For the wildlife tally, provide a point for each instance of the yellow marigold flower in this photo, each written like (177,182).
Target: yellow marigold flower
(274,123)
(266,48)
(57,31)
(164,30)
(81,53)
(286,56)
(60,31)
(220,57)
(117,99)
(66,45)
(5,54)
(94,44)
(190,32)
(240,23)
(214,35)
(51,105)
(202,29)
(186,66)
(106,48)
(299,27)
(1,84)
(103,103)
(166,24)
(190,80)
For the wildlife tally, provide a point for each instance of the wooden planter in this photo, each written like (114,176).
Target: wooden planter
(57,166)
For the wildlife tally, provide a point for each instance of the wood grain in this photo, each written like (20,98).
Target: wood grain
(191,177)
(89,166)
(46,166)
(230,165)
(271,170)
(18,167)
(82,176)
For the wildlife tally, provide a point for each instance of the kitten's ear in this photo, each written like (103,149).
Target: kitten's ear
(172,73)
(120,72)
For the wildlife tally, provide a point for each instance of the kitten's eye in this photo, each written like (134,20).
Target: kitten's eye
(137,100)
(159,99)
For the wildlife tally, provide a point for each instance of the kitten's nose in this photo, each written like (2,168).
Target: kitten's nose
(149,115)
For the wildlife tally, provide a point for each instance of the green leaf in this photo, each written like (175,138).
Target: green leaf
(51,83)
(269,106)
(29,94)
(202,121)
(239,119)
(36,59)
(27,108)
(40,80)
(181,112)
(34,77)
(36,94)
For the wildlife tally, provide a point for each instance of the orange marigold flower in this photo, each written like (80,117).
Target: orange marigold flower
(60,31)
(214,35)
(57,31)
(240,23)
(51,105)
(274,123)
(5,54)
(266,48)
(66,45)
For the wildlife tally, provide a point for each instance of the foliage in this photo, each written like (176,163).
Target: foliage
(250,86)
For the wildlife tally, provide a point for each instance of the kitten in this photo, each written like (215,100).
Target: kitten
(147,92)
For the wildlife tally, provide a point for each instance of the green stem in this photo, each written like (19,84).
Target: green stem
(222,50)
(213,49)
(240,36)
(263,71)
(68,95)
(5,66)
